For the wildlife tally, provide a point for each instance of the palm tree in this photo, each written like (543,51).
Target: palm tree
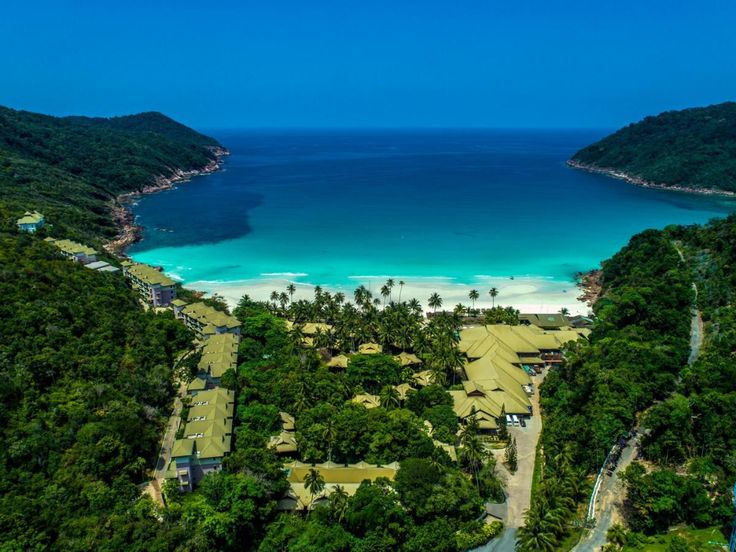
(339,298)
(435,301)
(283,299)
(564,311)
(390,285)
(274,298)
(291,289)
(389,397)
(616,534)
(473,296)
(415,306)
(338,503)
(493,292)
(401,288)
(314,483)
(385,293)
(533,536)
(329,436)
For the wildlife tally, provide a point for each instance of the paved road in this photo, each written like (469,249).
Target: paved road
(608,502)
(519,484)
(505,543)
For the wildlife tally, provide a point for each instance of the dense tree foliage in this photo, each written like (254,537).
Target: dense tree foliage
(70,168)
(693,148)
(433,502)
(87,386)
(636,365)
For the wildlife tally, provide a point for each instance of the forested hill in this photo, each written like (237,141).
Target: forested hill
(634,371)
(693,148)
(70,168)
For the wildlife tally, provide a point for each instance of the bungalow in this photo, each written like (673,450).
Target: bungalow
(74,251)
(367,400)
(339,361)
(285,442)
(31,221)
(152,285)
(204,320)
(347,477)
(206,439)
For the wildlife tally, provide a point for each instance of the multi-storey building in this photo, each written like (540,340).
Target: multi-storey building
(206,438)
(152,285)
(204,320)
(74,251)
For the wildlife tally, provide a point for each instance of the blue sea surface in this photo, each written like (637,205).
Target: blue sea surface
(335,207)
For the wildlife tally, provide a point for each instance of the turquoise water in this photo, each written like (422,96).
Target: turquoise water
(334,208)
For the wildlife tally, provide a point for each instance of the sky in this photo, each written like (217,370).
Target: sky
(376,63)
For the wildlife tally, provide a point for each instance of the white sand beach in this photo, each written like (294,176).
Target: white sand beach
(526,294)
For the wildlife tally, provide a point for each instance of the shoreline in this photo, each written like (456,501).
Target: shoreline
(637,181)
(527,294)
(122,216)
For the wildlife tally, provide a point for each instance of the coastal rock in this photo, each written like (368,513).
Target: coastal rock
(637,181)
(129,232)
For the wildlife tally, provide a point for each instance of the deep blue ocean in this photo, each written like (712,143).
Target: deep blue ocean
(334,207)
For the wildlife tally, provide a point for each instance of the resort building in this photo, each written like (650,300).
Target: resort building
(348,477)
(339,361)
(500,360)
(196,385)
(407,359)
(206,438)
(31,221)
(367,400)
(204,320)
(152,285)
(370,349)
(74,251)
(219,354)
(285,442)
(552,321)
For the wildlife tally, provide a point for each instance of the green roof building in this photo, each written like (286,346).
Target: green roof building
(206,440)
(204,320)
(219,354)
(152,285)
(74,251)
(31,221)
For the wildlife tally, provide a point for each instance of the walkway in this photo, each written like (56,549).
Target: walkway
(155,486)
(609,500)
(518,485)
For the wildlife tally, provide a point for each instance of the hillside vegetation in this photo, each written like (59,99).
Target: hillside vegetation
(635,368)
(70,168)
(693,148)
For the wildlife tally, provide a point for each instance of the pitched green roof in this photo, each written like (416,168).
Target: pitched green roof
(31,217)
(148,274)
(71,247)
(207,316)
